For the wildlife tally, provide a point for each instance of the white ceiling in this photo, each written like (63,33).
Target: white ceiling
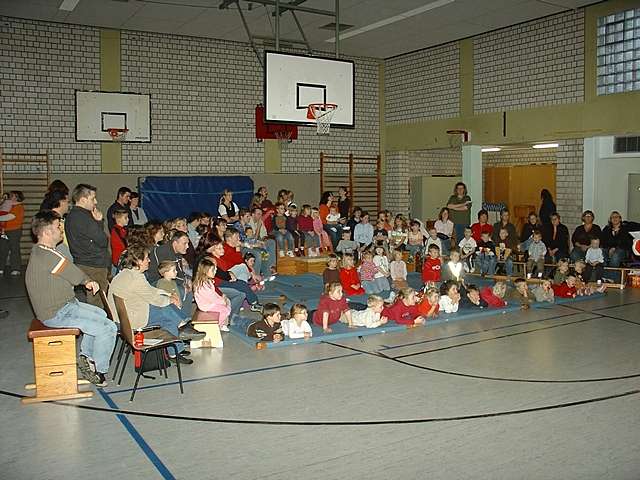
(203,18)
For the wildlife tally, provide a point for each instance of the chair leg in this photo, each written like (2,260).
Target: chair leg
(114,349)
(158,362)
(135,385)
(163,355)
(175,349)
(124,364)
(122,345)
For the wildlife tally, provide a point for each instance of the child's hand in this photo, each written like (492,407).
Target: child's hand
(327,330)
(277,338)
(419,321)
(307,335)
(383,320)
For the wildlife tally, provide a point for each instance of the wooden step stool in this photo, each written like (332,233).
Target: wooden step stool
(207,323)
(310,265)
(54,361)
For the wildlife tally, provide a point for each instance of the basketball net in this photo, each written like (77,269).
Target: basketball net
(322,113)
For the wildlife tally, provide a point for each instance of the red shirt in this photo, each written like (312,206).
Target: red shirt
(333,307)
(564,291)
(401,313)
(477,230)
(492,300)
(424,307)
(231,257)
(305,223)
(350,277)
(431,270)
(118,243)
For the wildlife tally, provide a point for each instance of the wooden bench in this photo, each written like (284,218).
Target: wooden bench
(54,361)
(207,323)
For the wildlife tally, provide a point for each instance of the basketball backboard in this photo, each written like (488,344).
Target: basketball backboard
(292,82)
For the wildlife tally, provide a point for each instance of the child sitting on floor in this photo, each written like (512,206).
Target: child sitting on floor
(544,292)
(206,294)
(269,328)
(168,271)
(332,308)
(449,297)
(431,267)
(472,299)
(296,326)
(468,247)
(370,317)
(562,271)
(520,294)
(349,278)
(454,268)
(404,311)
(331,274)
(537,251)
(398,271)
(325,241)
(430,304)
(494,296)
(566,289)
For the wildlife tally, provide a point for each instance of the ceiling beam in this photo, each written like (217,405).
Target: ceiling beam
(283,6)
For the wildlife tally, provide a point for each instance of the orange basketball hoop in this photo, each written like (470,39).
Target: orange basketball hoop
(117,134)
(322,113)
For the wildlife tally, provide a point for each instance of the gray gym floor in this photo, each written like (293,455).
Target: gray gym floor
(543,394)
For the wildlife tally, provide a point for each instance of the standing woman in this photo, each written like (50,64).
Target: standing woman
(344,202)
(228,208)
(334,231)
(547,207)
(459,206)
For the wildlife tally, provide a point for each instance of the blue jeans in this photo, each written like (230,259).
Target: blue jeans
(414,249)
(334,232)
(377,285)
(615,260)
(98,332)
(243,287)
(508,266)
(459,229)
(168,318)
(281,238)
(236,298)
(263,267)
(577,254)
(486,263)
(446,244)
(187,301)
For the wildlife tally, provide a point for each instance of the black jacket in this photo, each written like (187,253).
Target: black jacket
(584,238)
(610,239)
(561,241)
(159,254)
(88,242)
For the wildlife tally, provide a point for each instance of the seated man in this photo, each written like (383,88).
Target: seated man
(173,250)
(50,279)
(260,232)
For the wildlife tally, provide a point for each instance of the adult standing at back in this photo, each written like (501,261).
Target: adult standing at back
(547,207)
(583,234)
(123,197)
(138,215)
(459,205)
(88,242)
(344,202)
(228,209)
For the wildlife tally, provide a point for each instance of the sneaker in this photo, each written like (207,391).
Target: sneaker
(270,279)
(97,378)
(189,333)
(84,364)
(185,353)
(224,328)
(255,307)
(15,273)
(184,322)
(180,359)
(281,253)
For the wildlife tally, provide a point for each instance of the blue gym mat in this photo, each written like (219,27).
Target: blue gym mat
(307,288)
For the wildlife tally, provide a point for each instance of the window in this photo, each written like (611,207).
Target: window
(618,62)
(626,145)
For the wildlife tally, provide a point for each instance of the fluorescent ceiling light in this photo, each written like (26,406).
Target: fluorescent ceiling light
(390,20)
(546,145)
(68,5)
(491,149)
